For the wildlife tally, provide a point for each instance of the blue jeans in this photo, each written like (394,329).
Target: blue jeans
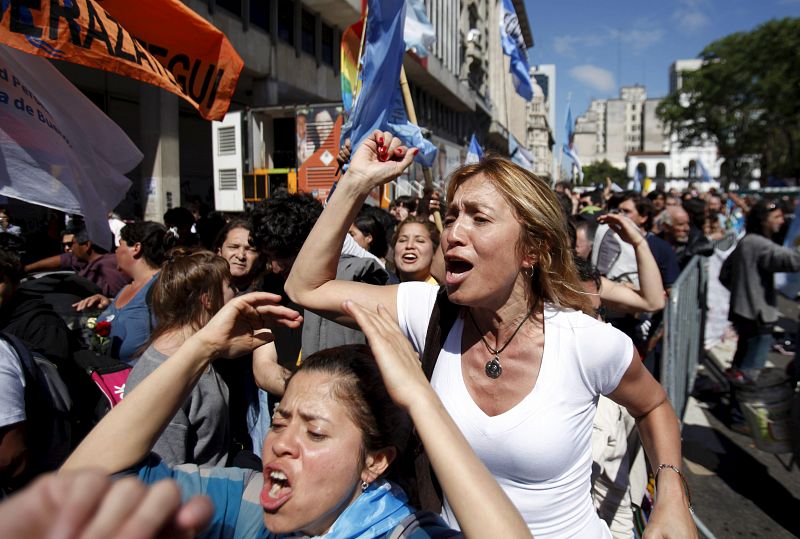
(259,419)
(755,341)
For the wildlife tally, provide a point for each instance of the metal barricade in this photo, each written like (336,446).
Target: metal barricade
(684,319)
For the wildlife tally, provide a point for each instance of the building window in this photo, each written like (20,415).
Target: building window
(308,39)
(327,44)
(259,14)
(234,6)
(661,170)
(286,20)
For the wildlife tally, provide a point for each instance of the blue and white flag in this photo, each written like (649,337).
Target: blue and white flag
(514,46)
(379,104)
(474,153)
(636,183)
(703,171)
(418,33)
(519,154)
(569,146)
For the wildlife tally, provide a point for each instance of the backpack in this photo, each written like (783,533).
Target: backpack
(108,374)
(424,491)
(48,409)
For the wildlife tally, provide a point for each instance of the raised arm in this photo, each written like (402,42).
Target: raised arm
(312,282)
(236,330)
(659,430)
(479,504)
(268,373)
(650,296)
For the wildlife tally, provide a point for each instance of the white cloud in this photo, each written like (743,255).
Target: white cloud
(638,40)
(690,15)
(643,35)
(595,77)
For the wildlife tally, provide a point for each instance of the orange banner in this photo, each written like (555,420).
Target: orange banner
(175,49)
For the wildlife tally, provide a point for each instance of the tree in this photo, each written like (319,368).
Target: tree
(746,98)
(597,173)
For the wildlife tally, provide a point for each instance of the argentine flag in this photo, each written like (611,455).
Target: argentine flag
(514,46)
(474,153)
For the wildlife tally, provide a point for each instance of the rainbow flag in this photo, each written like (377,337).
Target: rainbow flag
(351,42)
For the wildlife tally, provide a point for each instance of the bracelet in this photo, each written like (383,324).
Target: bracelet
(683,480)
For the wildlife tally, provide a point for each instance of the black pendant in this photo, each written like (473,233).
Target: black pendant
(493,368)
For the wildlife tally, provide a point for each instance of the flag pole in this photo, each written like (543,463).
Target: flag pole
(361,52)
(412,117)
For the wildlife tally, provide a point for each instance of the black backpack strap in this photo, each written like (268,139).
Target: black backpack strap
(424,492)
(443,317)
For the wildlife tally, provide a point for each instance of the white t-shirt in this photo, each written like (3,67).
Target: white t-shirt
(540,450)
(12,386)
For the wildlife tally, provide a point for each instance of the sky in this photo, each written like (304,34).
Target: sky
(598,46)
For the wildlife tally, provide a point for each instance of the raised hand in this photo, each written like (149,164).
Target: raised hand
(398,362)
(623,226)
(380,157)
(243,324)
(89,504)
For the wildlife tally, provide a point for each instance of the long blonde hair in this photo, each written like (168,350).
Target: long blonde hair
(543,230)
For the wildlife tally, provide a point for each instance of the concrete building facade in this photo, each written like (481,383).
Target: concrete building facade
(628,133)
(291,53)
(540,139)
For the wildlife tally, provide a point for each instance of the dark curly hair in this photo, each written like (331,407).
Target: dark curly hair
(282,223)
(154,239)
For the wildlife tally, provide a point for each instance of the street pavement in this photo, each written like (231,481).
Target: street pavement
(737,489)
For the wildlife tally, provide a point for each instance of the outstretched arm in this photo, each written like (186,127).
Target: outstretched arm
(312,282)
(237,329)
(478,502)
(659,430)
(650,296)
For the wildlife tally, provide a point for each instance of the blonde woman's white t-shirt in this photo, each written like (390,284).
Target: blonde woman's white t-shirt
(540,450)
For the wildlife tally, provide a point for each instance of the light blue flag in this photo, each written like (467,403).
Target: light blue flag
(636,183)
(379,104)
(569,146)
(474,153)
(703,171)
(519,154)
(514,46)
(419,34)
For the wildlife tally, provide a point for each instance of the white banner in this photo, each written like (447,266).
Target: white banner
(57,149)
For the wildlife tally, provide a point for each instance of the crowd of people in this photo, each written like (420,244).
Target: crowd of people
(350,371)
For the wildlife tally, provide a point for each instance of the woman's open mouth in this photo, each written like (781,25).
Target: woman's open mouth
(277,490)
(409,258)
(456,270)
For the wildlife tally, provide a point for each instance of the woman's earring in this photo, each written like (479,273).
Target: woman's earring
(528,272)
(364,486)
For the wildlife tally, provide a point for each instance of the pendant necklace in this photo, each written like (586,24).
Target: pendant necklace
(493,368)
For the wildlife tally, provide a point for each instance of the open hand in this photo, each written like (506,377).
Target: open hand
(398,362)
(97,300)
(623,226)
(243,324)
(380,157)
(89,504)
